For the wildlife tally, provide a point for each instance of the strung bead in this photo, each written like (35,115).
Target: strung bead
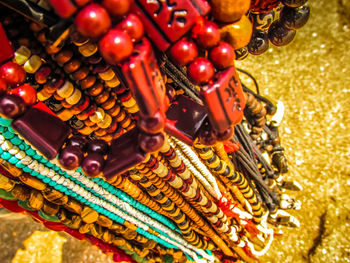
(97,146)
(295,18)
(117,7)
(92,164)
(279,35)
(71,157)
(226,135)
(183,52)
(116,46)
(207,35)
(12,73)
(11,106)
(93,21)
(26,92)
(222,55)
(259,43)
(3,86)
(200,71)
(152,125)
(294,3)
(77,141)
(151,143)
(206,135)
(133,26)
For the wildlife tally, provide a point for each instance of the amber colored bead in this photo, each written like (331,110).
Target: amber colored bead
(93,21)
(78,39)
(207,35)
(81,73)
(109,104)
(280,35)
(295,18)
(116,46)
(64,56)
(237,34)
(52,49)
(88,82)
(200,71)
(117,7)
(259,43)
(12,73)
(42,74)
(222,55)
(183,52)
(151,143)
(294,3)
(229,10)
(96,89)
(72,66)
(102,97)
(133,26)
(114,111)
(26,92)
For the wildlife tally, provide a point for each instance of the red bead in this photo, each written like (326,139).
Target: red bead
(3,86)
(117,7)
(6,48)
(70,157)
(151,143)
(42,74)
(97,146)
(92,164)
(225,135)
(116,46)
(200,71)
(82,2)
(222,55)
(154,124)
(77,141)
(133,26)
(206,135)
(11,106)
(93,21)
(12,73)
(26,92)
(64,8)
(207,34)
(183,52)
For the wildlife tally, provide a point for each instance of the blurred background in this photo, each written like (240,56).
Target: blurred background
(311,77)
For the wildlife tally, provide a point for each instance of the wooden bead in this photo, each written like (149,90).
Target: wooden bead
(72,66)
(87,82)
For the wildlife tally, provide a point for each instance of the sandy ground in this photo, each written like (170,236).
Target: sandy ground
(312,77)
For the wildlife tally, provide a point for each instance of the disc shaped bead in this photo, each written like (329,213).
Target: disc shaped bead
(295,18)
(92,164)
(183,52)
(133,26)
(11,106)
(12,73)
(93,21)
(117,7)
(26,92)
(116,46)
(222,55)
(70,157)
(200,71)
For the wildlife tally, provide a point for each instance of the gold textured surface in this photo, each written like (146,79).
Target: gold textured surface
(312,78)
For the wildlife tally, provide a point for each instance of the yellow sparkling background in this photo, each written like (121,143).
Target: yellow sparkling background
(312,77)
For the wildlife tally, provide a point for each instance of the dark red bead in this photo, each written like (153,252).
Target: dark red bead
(116,46)
(222,55)
(97,146)
(93,21)
(3,86)
(207,34)
(200,71)
(6,47)
(183,52)
(11,106)
(259,43)
(70,157)
(295,18)
(280,35)
(65,8)
(92,164)
(151,143)
(26,92)
(12,73)
(170,92)
(206,135)
(42,74)
(133,26)
(117,7)
(294,3)
(77,141)
(226,135)
(154,124)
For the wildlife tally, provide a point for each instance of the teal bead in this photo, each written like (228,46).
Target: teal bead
(49,164)
(13,160)
(61,172)
(30,152)
(10,129)
(1,150)
(22,147)
(6,155)
(15,141)
(37,157)
(2,129)
(5,122)
(8,135)
(44,160)
(46,180)
(52,183)
(20,165)
(74,194)
(34,173)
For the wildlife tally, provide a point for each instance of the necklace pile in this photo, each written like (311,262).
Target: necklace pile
(125,123)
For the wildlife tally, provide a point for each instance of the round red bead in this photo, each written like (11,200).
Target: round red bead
(117,7)
(200,71)
(93,21)
(222,55)
(206,136)
(70,157)
(3,86)
(92,164)
(26,92)
(183,52)
(207,35)
(133,26)
(151,143)
(115,46)
(12,73)
(11,106)
(152,124)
